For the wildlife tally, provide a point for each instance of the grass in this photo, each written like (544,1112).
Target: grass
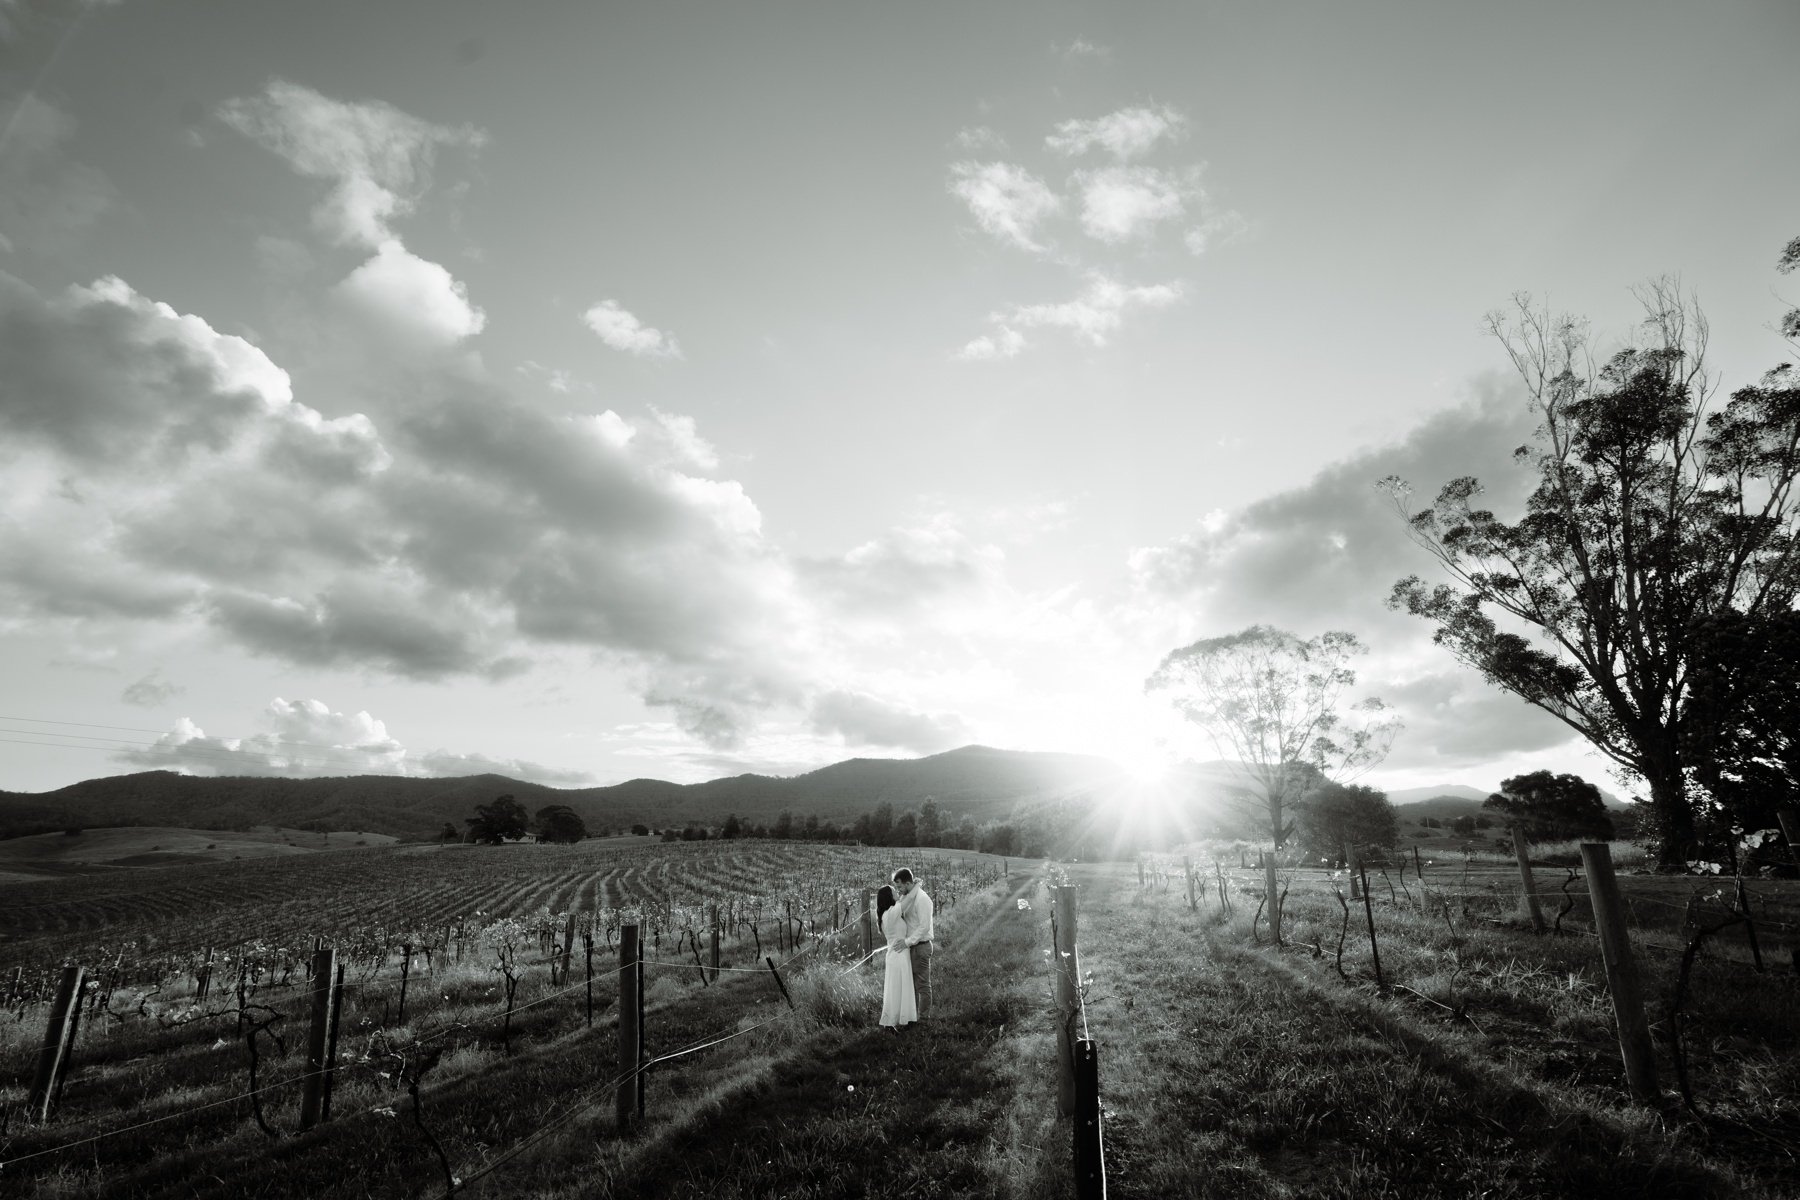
(1236,1069)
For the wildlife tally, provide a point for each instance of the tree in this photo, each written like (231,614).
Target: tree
(449,833)
(1336,819)
(1552,808)
(1743,733)
(503,820)
(732,827)
(906,830)
(931,830)
(784,825)
(1270,701)
(1650,516)
(559,823)
(640,829)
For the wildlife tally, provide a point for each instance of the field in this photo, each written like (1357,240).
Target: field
(1485,1063)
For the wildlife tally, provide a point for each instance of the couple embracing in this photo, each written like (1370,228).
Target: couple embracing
(904,911)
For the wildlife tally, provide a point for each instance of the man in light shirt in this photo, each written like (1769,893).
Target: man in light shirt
(915,909)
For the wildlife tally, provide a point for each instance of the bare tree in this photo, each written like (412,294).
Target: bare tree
(1271,701)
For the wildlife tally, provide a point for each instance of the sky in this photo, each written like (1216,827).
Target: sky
(589,392)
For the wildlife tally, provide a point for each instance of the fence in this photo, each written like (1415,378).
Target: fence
(1677,917)
(1077,1053)
(847,934)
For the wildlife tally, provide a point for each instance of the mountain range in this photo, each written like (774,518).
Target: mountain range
(978,782)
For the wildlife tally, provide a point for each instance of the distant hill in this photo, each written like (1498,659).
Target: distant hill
(975,781)
(1404,797)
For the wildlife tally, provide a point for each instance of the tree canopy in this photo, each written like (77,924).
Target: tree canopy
(1551,807)
(559,823)
(1338,819)
(503,820)
(1271,701)
(1652,516)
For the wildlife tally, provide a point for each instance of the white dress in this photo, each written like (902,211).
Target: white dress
(899,1004)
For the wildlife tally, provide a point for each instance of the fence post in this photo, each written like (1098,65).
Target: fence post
(204,983)
(630,1022)
(1790,829)
(1354,863)
(318,1038)
(331,1042)
(1187,868)
(405,971)
(715,940)
(1531,896)
(1068,965)
(1274,900)
(868,921)
(53,1058)
(568,949)
(1369,916)
(1621,971)
(1090,1153)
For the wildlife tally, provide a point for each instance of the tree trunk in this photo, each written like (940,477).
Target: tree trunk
(1674,820)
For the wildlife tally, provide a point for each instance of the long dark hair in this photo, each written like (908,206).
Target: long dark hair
(884,900)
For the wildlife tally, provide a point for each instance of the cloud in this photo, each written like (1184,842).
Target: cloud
(1082,50)
(1125,134)
(411,297)
(978,137)
(1119,203)
(1220,228)
(1002,343)
(905,572)
(864,720)
(378,158)
(1096,314)
(1007,201)
(102,374)
(307,739)
(151,691)
(1325,555)
(302,738)
(621,330)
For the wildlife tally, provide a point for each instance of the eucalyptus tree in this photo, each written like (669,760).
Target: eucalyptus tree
(1275,704)
(1653,516)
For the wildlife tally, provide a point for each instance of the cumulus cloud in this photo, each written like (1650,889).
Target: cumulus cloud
(1125,134)
(1007,201)
(151,691)
(412,297)
(978,137)
(306,738)
(1002,343)
(905,571)
(1096,314)
(621,330)
(1119,203)
(378,158)
(864,720)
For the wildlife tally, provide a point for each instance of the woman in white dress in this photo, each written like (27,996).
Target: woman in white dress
(899,1006)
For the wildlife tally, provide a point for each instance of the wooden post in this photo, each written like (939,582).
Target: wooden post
(204,983)
(1621,971)
(1531,896)
(405,971)
(780,985)
(1219,870)
(1356,875)
(1090,1154)
(1790,829)
(1274,904)
(53,1058)
(331,1043)
(568,949)
(1067,965)
(318,1038)
(630,1019)
(1140,867)
(868,921)
(587,951)
(1187,868)
(715,937)
(1369,915)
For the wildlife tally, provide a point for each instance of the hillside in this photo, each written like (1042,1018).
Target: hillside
(975,781)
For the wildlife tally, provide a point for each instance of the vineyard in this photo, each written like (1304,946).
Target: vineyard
(189,1029)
